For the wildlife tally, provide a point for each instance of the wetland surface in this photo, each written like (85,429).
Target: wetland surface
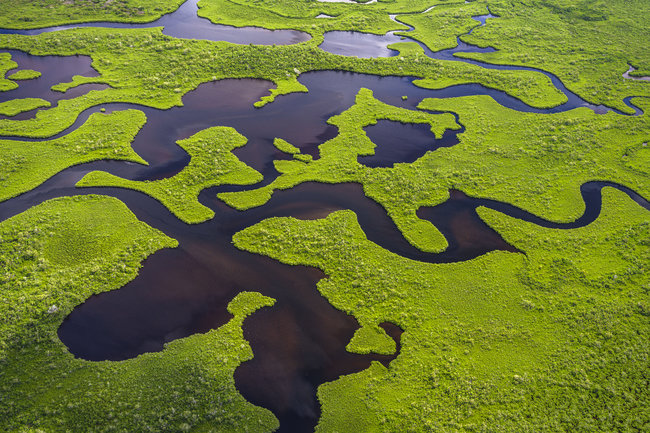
(184,291)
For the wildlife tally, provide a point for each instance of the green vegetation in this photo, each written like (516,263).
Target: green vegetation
(553,340)
(26,164)
(283,87)
(285,146)
(439,28)
(6,64)
(212,164)
(534,161)
(371,339)
(338,163)
(32,14)
(56,255)
(144,66)
(25,74)
(301,15)
(17,106)
(587,44)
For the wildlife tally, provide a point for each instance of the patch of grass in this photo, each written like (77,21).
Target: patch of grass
(533,88)
(283,87)
(17,106)
(371,339)
(25,74)
(58,254)
(6,64)
(285,147)
(539,161)
(26,164)
(32,14)
(61,252)
(552,340)
(212,164)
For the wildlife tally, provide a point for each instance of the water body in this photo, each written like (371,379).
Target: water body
(403,142)
(184,291)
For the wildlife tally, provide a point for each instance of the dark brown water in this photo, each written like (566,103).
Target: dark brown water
(403,142)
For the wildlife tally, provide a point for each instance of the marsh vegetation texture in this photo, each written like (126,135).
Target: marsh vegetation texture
(330,216)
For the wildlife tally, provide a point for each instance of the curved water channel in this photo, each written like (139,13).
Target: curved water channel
(183,291)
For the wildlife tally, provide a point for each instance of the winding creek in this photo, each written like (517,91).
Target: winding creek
(184,291)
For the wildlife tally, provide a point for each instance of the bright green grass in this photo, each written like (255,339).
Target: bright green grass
(30,14)
(535,161)
(58,254)
(144,66)
(534,89)
(26,164)
(24,74)
(212,164)
(17,106)
(439,28)
(285,146)
(553,340)
(587,44)
(371,339)
(6,64)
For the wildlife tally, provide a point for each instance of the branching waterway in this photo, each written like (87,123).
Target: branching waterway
(185,290)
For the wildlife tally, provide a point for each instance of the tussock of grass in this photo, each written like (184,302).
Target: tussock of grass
(24,74)
(6,64)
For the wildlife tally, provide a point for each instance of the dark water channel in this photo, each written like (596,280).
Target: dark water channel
(300,342)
